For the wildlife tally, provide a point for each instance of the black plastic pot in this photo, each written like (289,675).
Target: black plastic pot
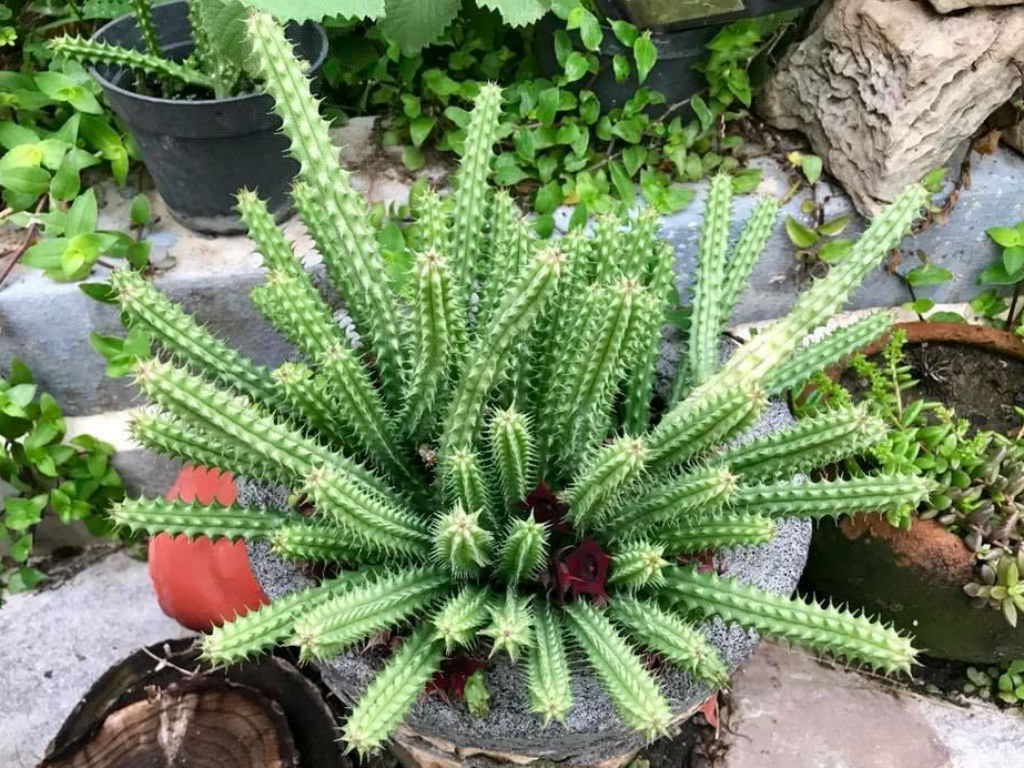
(674,15)
(673,73)
(201,152)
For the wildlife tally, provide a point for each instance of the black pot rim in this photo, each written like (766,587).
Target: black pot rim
(103,81)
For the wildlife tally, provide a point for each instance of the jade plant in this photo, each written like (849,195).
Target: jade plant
(484,465)
(215,64)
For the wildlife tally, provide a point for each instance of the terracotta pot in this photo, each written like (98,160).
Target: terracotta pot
(915,578)
(198,582)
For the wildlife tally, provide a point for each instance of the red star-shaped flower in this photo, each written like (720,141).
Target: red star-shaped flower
(546,507)
(583,570)
(451,679)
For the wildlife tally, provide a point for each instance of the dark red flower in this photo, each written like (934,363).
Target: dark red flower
(583,570)
(451,679)
(703,560)
(546,507)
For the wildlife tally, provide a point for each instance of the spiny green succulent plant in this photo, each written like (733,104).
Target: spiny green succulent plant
(215,62)
(486,462)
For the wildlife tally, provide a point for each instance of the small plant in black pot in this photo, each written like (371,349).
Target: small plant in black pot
(175,74)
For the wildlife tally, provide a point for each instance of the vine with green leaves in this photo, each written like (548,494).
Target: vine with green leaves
(558,144)
(69,480)
(58,138)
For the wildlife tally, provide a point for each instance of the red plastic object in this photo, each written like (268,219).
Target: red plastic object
(201,583)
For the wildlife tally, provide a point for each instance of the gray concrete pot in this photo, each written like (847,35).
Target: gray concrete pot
(441,733)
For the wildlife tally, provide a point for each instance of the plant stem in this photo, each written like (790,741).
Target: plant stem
(1010,320)
(15,255)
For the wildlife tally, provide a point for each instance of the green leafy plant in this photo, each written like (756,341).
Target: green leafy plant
(1006,272)
(54,129)
(1005,682)
(977,475)
(216,63)
(69,480)
(487,462)
(558,143)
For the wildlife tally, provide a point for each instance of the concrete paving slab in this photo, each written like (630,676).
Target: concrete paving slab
(56,642)
(790,709)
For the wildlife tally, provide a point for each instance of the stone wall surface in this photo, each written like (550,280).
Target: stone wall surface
(885,90)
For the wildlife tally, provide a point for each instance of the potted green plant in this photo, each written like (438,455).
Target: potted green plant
(175,73)
(949,571)
(483,472)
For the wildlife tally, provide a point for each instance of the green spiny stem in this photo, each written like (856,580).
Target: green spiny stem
(644,356)
(633,690)
(235,417)
(190,343)
(202,52)
(510,249)
(830,630)
(457,621)
(393,691)
(438,321)
(675,639)
(470,198)
(756,359)
(358,256)
(702,488)
(193,519)
(547,667)
(293,304)
(511,320)
(377,523)
(604,474)
(460,542)
(810,443)
(431,213)
(600,364)
(700,422)
(169,436)
(524,551)
(466,483)
(637,565)
(746,252)
(709,287)
(266,625)
(510,628)
(642,246)
(513,454)
(308,395)
(366,415)
(305,539)
(715,531)
(832,498)
(268,238)
(98,52)
(375,604)
(607,248)
(236,420)
(818,355)
(144,21)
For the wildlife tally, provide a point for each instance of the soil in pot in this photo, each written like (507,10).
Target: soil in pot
(201,151)
(915,578)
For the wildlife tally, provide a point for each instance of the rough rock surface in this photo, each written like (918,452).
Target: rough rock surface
(593,734)
(948,6)
(886,89)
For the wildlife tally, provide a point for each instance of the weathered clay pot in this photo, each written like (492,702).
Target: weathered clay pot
(442,733)
(915,578)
